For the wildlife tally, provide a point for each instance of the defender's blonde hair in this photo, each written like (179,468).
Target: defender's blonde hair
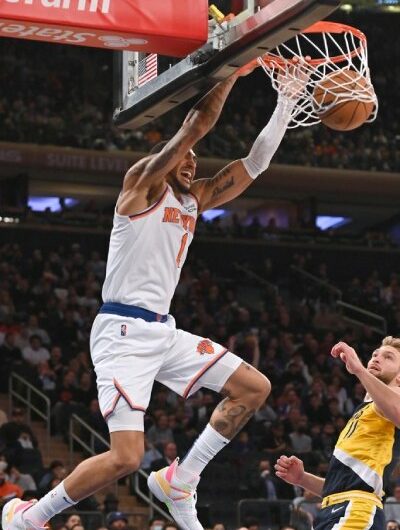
(392,341)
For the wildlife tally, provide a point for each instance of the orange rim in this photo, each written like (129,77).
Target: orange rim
(322,27)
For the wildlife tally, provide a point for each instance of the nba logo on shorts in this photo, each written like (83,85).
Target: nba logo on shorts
(123,330)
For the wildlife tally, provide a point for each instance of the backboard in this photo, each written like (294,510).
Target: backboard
(231,44)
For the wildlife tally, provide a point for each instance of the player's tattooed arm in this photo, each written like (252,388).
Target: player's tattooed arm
(200,119)
(226,185)
(206,112)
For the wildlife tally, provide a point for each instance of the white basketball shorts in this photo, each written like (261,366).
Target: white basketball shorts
(129,354)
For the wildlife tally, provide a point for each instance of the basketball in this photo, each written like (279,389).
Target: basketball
(346,115)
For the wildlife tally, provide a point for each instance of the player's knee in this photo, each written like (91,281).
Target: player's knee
(249,386)
(261,389)
(124,464)
(133,463)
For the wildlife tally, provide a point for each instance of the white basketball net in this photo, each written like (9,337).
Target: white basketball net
(334,51)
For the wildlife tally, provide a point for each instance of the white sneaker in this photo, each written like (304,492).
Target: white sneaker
(11,517)
(180,497)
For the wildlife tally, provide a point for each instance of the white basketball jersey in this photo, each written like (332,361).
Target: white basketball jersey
(147,252)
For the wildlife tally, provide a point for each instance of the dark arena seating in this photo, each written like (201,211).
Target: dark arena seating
(264,277)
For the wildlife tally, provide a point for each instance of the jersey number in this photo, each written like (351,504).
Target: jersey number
(181,249)
(352,428)
(353,424)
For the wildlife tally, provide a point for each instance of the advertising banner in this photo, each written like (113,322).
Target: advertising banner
(167,27)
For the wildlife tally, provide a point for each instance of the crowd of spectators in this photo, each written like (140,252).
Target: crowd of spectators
(92,219)
(67,100)
(48,300)
(284,327)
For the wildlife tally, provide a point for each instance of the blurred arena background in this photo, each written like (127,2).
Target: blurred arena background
(310,254)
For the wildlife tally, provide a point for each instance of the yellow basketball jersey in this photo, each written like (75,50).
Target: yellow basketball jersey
(362,453)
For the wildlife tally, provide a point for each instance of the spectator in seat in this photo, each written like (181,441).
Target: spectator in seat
(23,480)
(11,431)
(355,399)
(294,374)
(392,505)
(11,359)
(169,455)
(95,418)
(35,353)
(33,328)
(26,456)
(265,414)
(151,454)
(25,439)
(55,482)
(215,526)
(56,471)
(160,433)
(8,490)
(294,415)
(161,401)
(327,440)
(55,362)
(86,391)
(66,397)
(391,524)
(334,410)
(243,443)
(47,379)
(253,524)
(301,442)
(117,521)
(276,441)
(315,409)
(156,523)
(308,505)
(3,462)
(262,483)
(73,520)
(78,527)
(68,330)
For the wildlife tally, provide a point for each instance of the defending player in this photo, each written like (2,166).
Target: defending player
(353,487)
(134,341)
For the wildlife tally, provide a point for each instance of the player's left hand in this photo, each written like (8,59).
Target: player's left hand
(293,79)
(247,68)
(349,356)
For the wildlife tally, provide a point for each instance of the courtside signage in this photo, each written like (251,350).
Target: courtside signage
(171,27)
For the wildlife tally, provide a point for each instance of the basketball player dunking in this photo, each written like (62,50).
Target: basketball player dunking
(134,341)
(353,488)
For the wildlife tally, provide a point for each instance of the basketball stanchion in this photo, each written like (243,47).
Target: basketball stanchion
(339,93)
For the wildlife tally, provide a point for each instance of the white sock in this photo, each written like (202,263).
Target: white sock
(207,445)
(52,503)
